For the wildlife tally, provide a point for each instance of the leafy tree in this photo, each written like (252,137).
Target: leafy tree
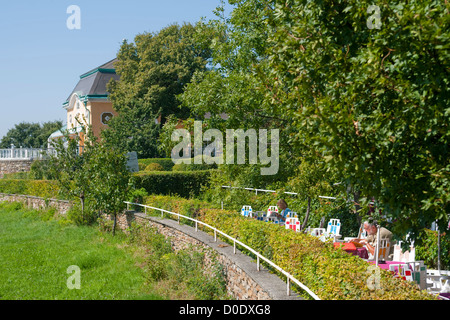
(372,101)
(231,94)
(91,171)
(30,135)
(110,181)
(368,102)
(133,130)
(153,71)
(69,165)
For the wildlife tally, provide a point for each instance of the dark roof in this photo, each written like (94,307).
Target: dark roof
(93,82)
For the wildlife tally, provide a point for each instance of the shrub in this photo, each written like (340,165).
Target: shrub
(330,273)
(194,166)
(40,170)
(78,217)
(154,167)
(428,250)
(37,188)
(166,163)
(184,184)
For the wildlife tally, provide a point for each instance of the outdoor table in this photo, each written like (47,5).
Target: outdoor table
(351,248)
(385,264)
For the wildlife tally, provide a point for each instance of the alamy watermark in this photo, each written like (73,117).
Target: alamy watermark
(74,281)
(258,147)
(74,20)
(374,21)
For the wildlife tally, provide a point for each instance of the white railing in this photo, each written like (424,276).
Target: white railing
(259,257)
(24,153)
(272,191)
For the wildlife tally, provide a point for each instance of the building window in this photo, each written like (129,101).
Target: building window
(106,116)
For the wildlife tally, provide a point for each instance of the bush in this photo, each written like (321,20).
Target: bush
(18,175)
(37,188)
(330,273)
(193,166)
(184,184)
(166,163)
(76,215)
(40,170)
(154,167)
(428,250)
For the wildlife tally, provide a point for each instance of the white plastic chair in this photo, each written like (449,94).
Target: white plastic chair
(246,211)
(292,223)
(317,232)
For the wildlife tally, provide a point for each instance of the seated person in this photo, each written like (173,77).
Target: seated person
(359,242)
(282,205)
(371,241)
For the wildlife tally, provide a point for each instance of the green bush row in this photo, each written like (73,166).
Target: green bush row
(329,272)
(166,163)
(182,183)
(38,188)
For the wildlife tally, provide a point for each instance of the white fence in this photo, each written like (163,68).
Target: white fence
(272,191)
(259,257)
(24,153)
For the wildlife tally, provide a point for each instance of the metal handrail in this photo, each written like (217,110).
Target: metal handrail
(259,257)
(272,191)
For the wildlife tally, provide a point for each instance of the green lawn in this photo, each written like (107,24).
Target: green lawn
(35,255)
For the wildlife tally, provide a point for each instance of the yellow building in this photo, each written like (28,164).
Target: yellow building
(88,104)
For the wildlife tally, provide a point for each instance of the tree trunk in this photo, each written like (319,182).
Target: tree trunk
(114,225)
(82,207)
(307,214)
(356,196)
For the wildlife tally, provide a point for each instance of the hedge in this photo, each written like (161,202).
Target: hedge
(38,188)
(166,163)
(182,183)
(330,273)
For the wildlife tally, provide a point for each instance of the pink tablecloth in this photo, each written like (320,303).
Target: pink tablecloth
(385,264)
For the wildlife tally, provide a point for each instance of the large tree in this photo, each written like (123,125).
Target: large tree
(153,71)
(30,135)
(362,89)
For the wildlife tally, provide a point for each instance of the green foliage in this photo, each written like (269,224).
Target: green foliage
(137,195)
(184,184)
(368,105)
(193,167)
(183,270)
(30,135)
(134,129)
(166,163)
(154,167)
(153,71)
(428,250)
(18,175)
(330,273)
(82,217)
(38,188)
(40,170)
(155,68)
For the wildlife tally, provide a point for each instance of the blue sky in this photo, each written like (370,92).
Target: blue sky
(41,59)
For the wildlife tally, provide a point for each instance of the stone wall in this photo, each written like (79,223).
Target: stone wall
(244,281)
(13,166)
(61,206)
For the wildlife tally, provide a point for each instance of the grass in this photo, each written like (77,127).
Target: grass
(37,249)
(35,256)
